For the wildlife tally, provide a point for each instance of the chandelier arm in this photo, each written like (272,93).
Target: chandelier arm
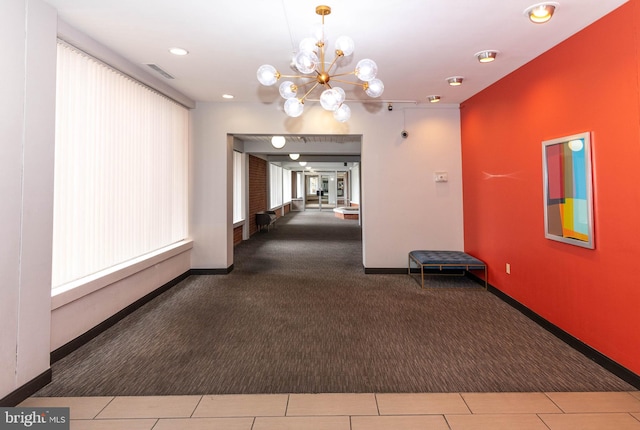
(322,51)
(298,76)
(358,84)
(309,92)
(333,63)
(344,74)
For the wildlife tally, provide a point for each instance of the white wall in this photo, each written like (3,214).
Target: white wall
(75,315)
(402,207)
(27,121)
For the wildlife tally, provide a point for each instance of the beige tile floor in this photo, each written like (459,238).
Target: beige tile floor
(448,411)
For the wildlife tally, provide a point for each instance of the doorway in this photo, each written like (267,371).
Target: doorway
(321,190)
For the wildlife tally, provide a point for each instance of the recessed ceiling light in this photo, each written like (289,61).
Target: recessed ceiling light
(486,56)
(178,51)
(434,99)
(454,81)
(541,12)
(227,96)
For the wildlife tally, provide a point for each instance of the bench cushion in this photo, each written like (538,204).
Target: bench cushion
(449,259)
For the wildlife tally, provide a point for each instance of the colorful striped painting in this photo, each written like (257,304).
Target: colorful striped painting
(568,207)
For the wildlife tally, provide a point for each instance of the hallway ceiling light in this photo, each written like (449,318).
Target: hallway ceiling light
(455,81)
(486,56)
(294,156)
(541,12)
(433,99)
(302,163)
(315,71)
(278,141)
(178,51)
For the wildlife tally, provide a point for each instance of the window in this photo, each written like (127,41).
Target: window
(238,187)
(275,186)
(299,185)
(286,186)
(121,168)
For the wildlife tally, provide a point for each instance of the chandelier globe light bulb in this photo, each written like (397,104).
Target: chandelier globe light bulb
(306,62)
(342,113)
(366,70)
(288,89)
(375,88)
(293,107)
(267,75)
(345,45)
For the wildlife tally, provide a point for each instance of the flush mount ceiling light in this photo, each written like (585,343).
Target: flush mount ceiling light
(541,12)
(454,81)
(227,96)
(178,51)
(278,141)
(302,163)
(311,62)
(294,156)
(486,56)
(433,99)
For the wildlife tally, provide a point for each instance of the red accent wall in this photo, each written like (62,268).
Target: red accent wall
(589,82)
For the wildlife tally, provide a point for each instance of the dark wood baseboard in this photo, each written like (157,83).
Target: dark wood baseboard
(615,368)
(211,271)
(592,354)
(25,391)
(76,343)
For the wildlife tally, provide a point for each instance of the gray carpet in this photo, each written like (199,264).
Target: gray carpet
(298,315)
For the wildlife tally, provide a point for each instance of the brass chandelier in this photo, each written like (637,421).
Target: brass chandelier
(314,72)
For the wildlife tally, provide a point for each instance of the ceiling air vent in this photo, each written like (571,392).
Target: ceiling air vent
(159,70)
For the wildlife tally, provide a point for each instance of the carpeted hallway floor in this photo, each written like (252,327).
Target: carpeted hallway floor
(298,315)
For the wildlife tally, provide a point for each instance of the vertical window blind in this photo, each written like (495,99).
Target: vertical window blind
(286,186)
(275,186)
(238,187)
(121,168)
(299,185)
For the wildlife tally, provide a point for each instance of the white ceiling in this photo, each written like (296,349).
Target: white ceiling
(416,43)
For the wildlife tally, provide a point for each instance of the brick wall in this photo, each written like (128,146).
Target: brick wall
(237,235)
(257,190)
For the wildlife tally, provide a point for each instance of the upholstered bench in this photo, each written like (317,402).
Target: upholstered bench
(446,260)
(265,219)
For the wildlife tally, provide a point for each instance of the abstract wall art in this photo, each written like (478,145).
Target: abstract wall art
(568,201)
